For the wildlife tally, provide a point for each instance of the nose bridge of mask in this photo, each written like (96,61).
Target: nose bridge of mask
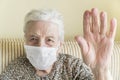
(40,51)
(47,51)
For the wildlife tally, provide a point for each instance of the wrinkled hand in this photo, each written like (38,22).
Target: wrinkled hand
(97,43)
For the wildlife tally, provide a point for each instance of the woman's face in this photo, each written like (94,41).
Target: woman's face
(42,33)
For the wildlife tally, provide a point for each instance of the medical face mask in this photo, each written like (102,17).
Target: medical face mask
(41,57)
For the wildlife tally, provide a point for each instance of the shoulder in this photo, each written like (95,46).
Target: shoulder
(79,69)
(17,69)
(66,56)
(72,60)
(18,64)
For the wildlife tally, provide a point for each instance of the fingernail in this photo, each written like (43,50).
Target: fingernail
(102,14)
(87,13)
(95,10)
(114,21)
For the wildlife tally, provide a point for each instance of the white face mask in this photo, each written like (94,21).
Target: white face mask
(41,57)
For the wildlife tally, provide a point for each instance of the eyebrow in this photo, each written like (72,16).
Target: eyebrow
(36,35)
(51,36)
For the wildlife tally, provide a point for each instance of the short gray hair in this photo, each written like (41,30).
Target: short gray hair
(46,15)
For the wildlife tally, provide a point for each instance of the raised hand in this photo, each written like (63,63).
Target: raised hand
(97,43)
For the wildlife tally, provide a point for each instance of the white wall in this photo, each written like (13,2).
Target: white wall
(12,14)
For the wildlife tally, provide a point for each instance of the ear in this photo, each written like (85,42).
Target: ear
(59,48)
(24,35)
(25,38)
(61,43)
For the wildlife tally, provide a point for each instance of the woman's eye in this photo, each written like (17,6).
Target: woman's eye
(50,40)
(33,39)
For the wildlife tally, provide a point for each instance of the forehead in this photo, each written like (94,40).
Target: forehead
(42,28)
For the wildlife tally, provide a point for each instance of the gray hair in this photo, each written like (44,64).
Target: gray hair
(46,15)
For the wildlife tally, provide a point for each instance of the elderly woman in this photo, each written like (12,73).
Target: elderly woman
(44,35)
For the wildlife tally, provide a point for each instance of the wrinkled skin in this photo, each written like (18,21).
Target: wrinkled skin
(42,33)
(97,43)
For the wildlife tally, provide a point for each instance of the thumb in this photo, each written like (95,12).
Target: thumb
(83,44)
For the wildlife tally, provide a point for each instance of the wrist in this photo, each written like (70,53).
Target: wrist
(102,74)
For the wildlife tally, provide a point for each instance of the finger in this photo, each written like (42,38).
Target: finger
(86,22)
(113,26)
(103,23)
(95,21)
(82,43)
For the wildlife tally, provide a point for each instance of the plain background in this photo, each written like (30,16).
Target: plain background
(12,13)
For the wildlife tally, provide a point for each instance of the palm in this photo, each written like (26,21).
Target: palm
(98,51)
(96,45)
